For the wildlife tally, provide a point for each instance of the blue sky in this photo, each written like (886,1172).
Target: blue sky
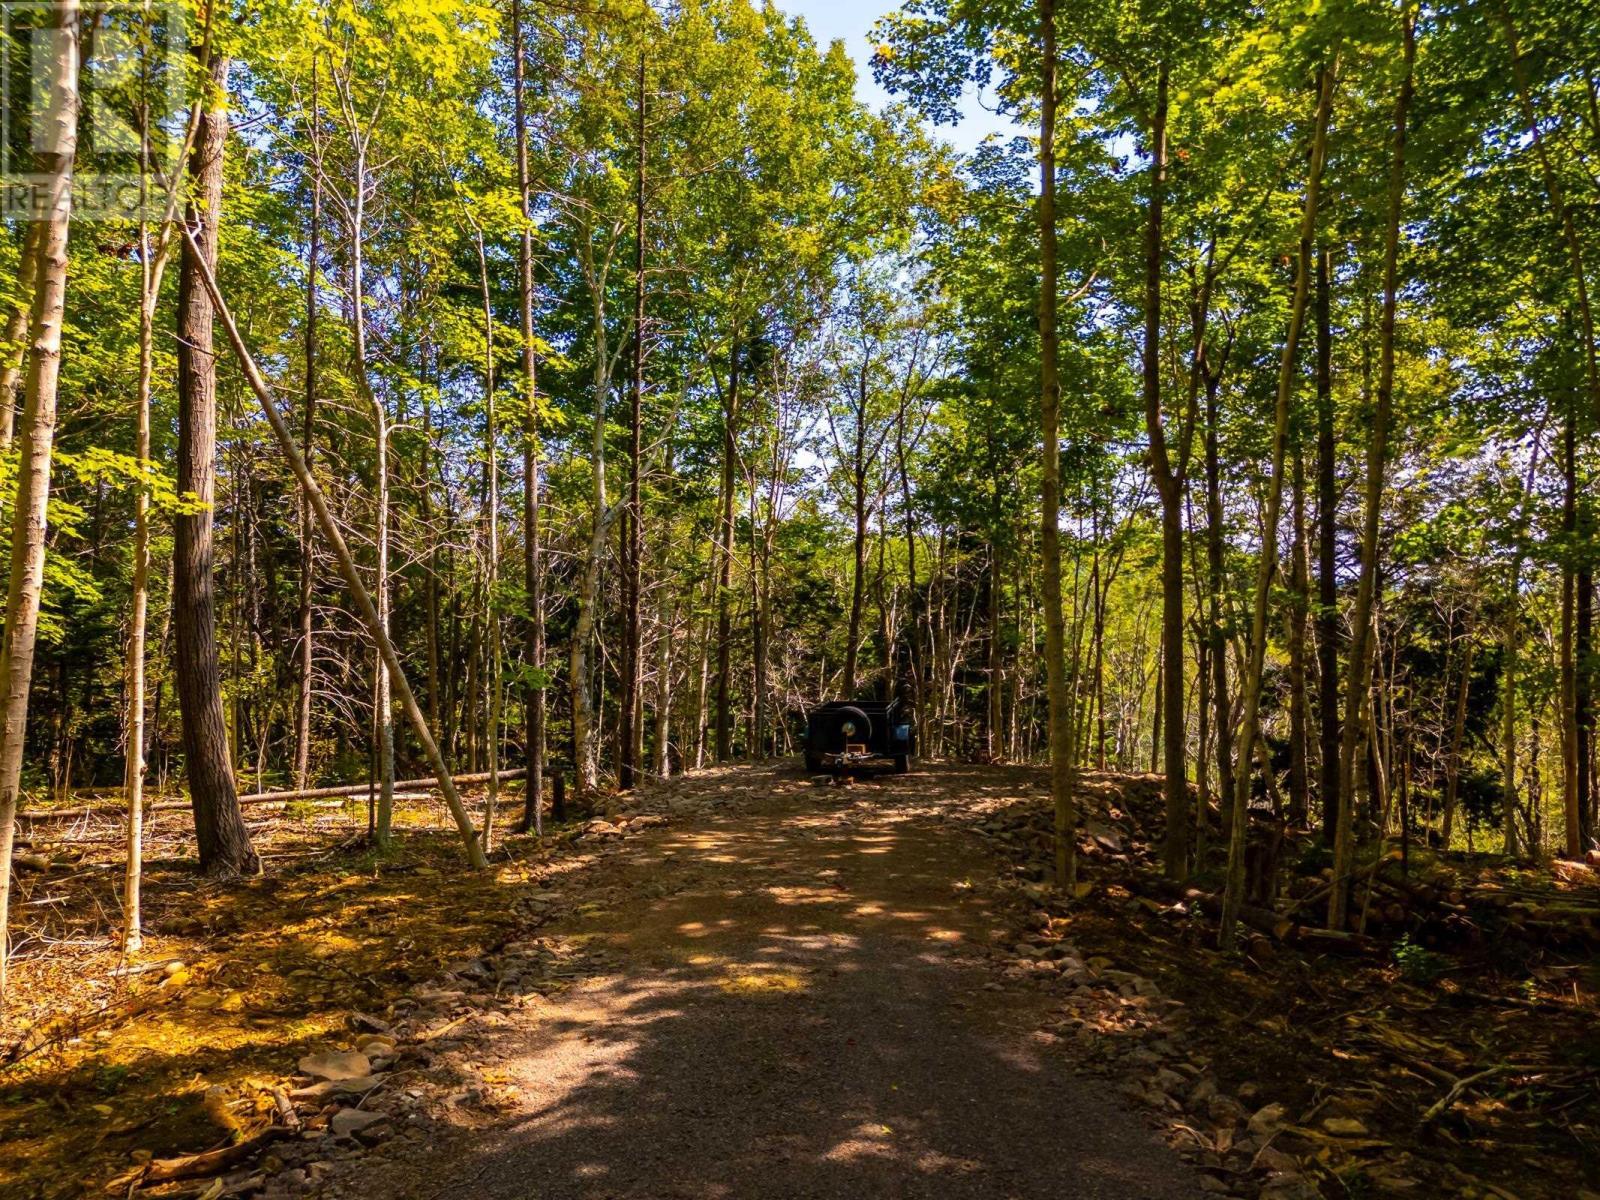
(851,20)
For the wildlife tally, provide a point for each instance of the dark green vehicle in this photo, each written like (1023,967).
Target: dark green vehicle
(849,735)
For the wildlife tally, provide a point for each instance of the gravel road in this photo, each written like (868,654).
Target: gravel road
(796,1003)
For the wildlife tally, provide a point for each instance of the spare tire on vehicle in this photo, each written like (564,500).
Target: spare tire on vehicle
(851,726)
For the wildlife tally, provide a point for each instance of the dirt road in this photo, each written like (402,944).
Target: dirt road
(795,1003)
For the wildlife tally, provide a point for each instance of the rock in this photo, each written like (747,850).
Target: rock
(1169,1080)
(1345,1127)
(349,1122)
(336,1064)
(1267,1119)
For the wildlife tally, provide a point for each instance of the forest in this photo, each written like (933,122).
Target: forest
(519,405)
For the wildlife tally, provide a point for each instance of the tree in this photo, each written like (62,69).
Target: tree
(36,438)
(221,836)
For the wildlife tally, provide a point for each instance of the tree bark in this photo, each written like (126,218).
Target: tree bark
(220,833)
(36,441)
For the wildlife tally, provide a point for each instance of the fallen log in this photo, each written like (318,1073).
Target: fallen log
(358,790)
(213,1162)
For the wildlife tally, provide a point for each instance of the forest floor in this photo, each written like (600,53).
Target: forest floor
(741,983)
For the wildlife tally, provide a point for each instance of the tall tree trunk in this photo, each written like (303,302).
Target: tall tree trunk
(1169,484)
(1299,602)
(914,600)
(430,578)
(1327,622)
(1216,629)
(632,517)
(1377,459)
(858,563)
(533,699)
(1571,755)
(1063,766)
(382,699)
(305,650)
(223,840)
(36,442)
(152,266)
(1233,893)
(995,669)
(585,734)
(491,479)
(730,452)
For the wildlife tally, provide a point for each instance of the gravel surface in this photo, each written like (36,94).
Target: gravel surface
(796,1002)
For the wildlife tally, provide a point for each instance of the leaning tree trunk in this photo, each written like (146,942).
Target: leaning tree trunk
(36,442)
(223,840)
(1233,892)
(1377,457)
(331,533)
